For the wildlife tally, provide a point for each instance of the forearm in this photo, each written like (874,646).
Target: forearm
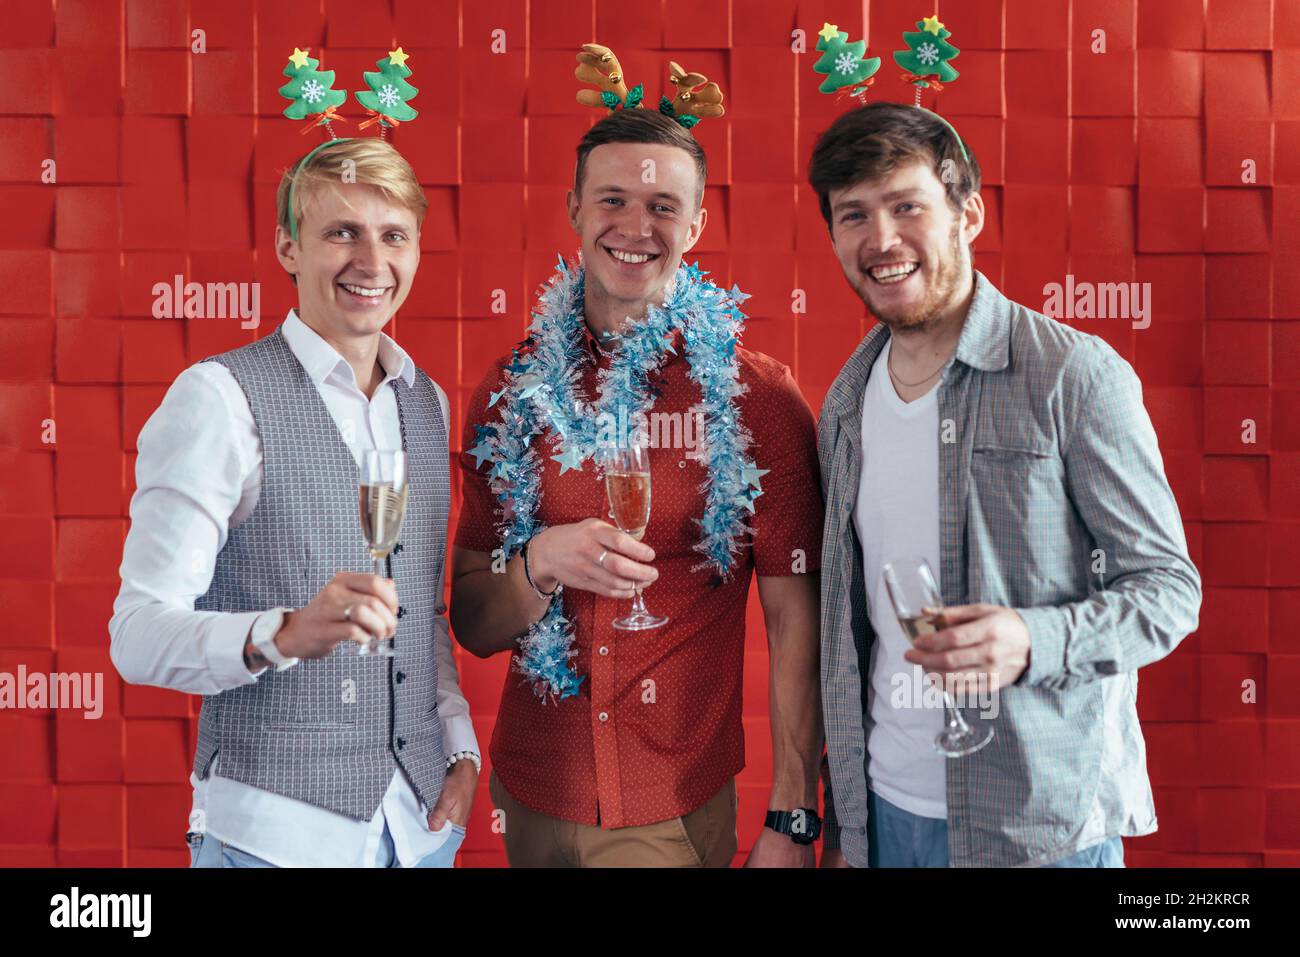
(184,650)
(794,702)
(490,610)
(1137,620)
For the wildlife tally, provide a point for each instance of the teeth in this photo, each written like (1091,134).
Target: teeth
(893,272)
(629,257)
(363,291)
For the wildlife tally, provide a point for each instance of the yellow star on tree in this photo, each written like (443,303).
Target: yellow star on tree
(828,32)
(932,24)
(398,57)
(299,57)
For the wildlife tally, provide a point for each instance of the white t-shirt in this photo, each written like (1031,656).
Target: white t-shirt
(897,516)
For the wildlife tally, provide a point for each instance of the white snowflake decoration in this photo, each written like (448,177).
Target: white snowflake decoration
(312,91)
(844,63)
(928,54)
(388,96)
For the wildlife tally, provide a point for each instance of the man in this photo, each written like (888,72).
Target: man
(637,767)
(245,576)
(1013,454)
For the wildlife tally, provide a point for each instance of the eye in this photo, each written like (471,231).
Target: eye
(908,208)
(666,209)
(850,217)
(341,231)
(397,235)
(611,199)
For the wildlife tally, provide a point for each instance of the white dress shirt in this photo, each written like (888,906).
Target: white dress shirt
(198,475)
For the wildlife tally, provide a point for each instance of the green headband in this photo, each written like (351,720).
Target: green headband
(951,129)
(293,182)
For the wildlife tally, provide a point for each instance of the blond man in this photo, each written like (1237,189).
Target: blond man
(245,577)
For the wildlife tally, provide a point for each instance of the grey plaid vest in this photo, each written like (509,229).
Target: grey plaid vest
(329,731)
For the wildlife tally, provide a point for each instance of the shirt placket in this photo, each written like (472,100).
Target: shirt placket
(604,716)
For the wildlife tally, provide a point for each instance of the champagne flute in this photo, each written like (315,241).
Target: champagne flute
(627,483)
(918,605)
(383,506)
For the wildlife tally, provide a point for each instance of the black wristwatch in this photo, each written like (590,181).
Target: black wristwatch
(802,825)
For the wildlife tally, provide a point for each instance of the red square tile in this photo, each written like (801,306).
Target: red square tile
(1171,24)
(87,149)
(1170,83)
(1170,218)
(158,81)
(1236,555)
(89,482)
(1237,353)
(1236,488)
(87,216)
(89,750)
(1238,24)
(1237,150)
(1237,220)
(1237,287)
(1236,84)
(1230,819)
(1104,84)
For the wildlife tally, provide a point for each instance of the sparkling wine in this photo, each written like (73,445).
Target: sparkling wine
(382,511)
(629,500)
(918,625)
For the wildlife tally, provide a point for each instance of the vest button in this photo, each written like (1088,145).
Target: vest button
(401,610)
(401,743)
(401,676)
(397,548)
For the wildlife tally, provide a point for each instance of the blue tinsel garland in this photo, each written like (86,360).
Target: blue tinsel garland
(539,395)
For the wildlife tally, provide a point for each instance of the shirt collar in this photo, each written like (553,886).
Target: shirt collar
(321,359)
(985,341)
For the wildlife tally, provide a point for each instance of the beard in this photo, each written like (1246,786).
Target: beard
(938,296)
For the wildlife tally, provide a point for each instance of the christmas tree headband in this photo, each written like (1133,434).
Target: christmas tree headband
(850,72)
(696,97)
(310,94)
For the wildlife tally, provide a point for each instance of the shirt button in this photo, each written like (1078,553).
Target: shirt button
(400,676)
(604,650)
(401,743)
(603,716)
(681,464)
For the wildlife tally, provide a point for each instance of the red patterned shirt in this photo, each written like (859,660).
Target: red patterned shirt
(655,729)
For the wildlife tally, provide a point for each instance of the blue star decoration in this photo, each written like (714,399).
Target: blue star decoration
(529,385)
(572,459)
(499,469)
(482,451)
(750,474)
(495,397)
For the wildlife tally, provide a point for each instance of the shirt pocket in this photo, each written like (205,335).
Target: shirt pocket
(1018,519)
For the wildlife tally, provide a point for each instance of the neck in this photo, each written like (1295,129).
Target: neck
(606,314)
(923,348)
(360,352)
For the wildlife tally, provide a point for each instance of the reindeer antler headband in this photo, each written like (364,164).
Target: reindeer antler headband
(696,98)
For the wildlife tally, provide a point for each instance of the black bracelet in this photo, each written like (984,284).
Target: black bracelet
(529,575)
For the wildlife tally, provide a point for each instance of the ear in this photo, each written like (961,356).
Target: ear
(697,227)
(972,218)
(286,250)
(572,204)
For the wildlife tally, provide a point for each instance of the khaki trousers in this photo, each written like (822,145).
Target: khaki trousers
(706,837)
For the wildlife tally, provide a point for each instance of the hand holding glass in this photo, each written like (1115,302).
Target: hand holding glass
(627,483)
(918,605)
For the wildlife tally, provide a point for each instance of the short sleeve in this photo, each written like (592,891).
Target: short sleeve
(476,529)
(787,518)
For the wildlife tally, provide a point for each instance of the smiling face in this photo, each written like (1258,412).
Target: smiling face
(634,233)
(903,248)
(355,258)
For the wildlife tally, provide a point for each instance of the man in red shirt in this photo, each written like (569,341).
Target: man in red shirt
(637,765)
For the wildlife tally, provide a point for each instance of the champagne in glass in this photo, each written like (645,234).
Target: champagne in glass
(918,606)
(627,483)
(383,496)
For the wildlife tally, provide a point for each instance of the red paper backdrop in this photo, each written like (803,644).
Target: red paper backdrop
(1113,167)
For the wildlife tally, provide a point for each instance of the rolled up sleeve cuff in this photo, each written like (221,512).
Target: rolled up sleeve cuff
(225,650)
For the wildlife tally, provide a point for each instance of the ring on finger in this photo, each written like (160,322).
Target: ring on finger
(601,560)
(347,613)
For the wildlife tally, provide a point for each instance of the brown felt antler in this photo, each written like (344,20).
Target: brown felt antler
(598,65)
(696,96)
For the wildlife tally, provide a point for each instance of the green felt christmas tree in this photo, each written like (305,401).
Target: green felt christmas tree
(389,91)
(309,89)
(928,52)
(845,64)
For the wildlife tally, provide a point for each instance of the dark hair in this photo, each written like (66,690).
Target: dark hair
(641,126)
(872,140)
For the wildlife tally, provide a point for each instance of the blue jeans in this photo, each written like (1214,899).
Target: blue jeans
(207,851)
(897,838)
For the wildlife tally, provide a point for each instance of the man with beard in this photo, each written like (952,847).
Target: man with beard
(1014,455)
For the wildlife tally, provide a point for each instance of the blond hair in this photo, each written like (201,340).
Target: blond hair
(368,160)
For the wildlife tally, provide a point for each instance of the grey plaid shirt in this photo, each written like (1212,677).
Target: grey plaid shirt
(1052,501)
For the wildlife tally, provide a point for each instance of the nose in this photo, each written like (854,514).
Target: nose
(635,221)
(880,233)
(368,255)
